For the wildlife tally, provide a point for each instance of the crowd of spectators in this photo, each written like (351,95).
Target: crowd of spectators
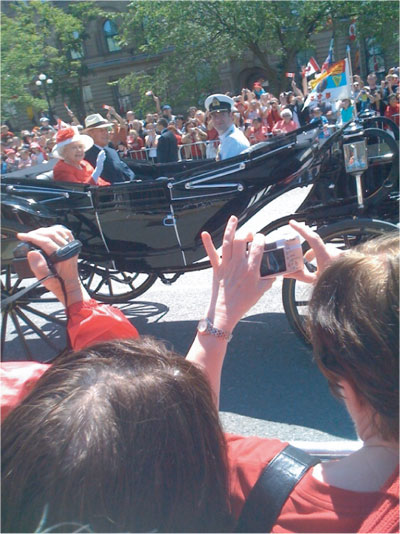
(259,114)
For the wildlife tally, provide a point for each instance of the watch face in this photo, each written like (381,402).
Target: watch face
(202,326)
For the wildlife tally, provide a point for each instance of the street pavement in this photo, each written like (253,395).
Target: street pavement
(270,385)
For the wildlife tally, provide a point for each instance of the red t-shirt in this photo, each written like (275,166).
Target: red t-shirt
(284,127)
(313,506)
(273,116)
(135,148)
(392,112)
(258,135)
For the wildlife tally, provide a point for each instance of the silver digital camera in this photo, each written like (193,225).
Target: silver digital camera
(281,257)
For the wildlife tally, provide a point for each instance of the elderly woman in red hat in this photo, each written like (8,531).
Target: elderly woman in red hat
(70,149)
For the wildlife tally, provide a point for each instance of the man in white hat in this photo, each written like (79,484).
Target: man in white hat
(114,169)
(232,140)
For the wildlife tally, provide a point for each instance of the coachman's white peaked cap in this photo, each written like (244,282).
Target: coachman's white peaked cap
(219,102)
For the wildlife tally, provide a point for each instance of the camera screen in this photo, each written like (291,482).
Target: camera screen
(273,262)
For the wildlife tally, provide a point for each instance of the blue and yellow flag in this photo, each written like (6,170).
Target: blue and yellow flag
(331,85)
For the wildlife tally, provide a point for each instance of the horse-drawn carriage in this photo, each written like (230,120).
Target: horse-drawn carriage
(133,233)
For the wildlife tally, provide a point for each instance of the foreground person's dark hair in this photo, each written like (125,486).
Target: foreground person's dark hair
(123,437)
(354,327)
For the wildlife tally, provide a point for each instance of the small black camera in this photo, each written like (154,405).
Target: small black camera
(20,261)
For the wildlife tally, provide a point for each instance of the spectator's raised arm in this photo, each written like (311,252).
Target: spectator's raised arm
(236,287)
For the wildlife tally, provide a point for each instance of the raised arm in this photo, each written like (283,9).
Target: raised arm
(88,321)
(236,287)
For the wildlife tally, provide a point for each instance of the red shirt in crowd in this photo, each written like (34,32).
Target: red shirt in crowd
(273,116)
(392,112)
(135,145)
(257,135)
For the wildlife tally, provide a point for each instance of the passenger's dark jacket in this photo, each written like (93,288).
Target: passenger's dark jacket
(114,170)
(167,147)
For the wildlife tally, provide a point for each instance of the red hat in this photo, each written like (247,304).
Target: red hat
(257,85)
(65,136)
(9,151)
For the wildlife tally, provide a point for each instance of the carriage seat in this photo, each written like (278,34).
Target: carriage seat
(45,176)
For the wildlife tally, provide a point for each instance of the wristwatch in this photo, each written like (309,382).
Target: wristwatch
(205,326)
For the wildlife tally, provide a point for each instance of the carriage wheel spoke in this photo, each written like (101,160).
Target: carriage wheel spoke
(37,330)
(91,276)
(109,284)
(21,336)
(3,330)
(56,320)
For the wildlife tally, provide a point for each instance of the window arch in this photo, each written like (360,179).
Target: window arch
(110,31)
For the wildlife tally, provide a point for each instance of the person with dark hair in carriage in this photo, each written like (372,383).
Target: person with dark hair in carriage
(232,140)
(167,145)
(124,436)
(114,170)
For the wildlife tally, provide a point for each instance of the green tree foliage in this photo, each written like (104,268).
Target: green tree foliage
(197,37)
(40,37)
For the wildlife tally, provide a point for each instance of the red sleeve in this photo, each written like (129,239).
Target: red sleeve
(247,457)
(91,322)
(17,379)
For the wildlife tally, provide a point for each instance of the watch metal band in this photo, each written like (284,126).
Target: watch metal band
(205,326)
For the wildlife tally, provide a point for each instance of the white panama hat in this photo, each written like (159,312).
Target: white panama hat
(65,136)
(96,121)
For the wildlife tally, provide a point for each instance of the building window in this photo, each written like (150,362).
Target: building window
(110,32)
(77,53)
(88,99)
(87,94)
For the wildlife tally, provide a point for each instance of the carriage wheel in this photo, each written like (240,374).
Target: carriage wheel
(344,235)
(383,152)
(28,330)
(110,285)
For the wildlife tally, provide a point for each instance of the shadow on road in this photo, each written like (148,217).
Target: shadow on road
(268,374)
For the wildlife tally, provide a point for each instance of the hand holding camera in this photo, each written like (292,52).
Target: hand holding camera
(237,284)
(48,250)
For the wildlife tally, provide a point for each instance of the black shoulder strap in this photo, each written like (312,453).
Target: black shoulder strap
(273,487)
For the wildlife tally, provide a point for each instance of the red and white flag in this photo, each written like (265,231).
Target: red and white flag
(352,30)
(290,74)
(61,124)
(312,67)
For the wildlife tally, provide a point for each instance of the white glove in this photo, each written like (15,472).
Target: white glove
(101,156)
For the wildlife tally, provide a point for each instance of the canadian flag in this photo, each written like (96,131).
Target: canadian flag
(312,67)
(352,30)
(290,74)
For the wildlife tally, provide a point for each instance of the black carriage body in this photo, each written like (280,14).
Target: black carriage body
(154,224)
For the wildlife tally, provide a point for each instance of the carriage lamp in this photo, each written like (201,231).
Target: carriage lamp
(355,156)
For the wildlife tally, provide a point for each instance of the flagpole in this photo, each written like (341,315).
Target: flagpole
(351,80)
